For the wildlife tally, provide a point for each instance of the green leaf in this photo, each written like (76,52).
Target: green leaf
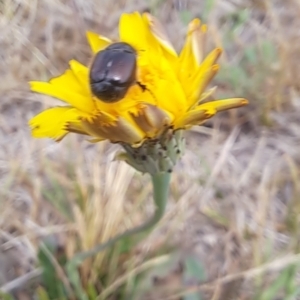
(293,295)
(281,282)
(192,296)
(251,55)
(42,294)
(268,52)
(5,296)
(185,16)
(208,6)
(193,269)
(56,194)
(240,18)
(91,291)
(52,283)
(74,278)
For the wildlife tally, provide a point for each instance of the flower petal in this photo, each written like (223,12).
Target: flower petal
(192,53)
(81,72)
(76,128)
(197,36)
(161,36)
(225,104)
(207,110)
(119,131)
(70,87)
(151,119)
(199,83)
(210,59)
(169,92)
(53,122)
(132,30)
(194,117)
(96,41)
(207,94)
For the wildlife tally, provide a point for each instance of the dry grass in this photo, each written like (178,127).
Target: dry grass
(234,205)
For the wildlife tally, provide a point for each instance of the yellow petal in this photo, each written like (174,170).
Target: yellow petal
(81,73)
(96,41)
(76,128)
(187,61)
(161,37)
(210,60)
(70,87)
(53,122)
(151,119)
(119,131)
(220,105)
(194,117)
(96,140)
(134,97)
(192,53)
(132,30)
(199,83)
(197,33)
(207,110)
(169,93)
(207,94)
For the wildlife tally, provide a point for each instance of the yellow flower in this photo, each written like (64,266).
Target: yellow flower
(168,93)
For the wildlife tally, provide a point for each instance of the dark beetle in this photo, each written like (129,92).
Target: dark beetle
(113,72)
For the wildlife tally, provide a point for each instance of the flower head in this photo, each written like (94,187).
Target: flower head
(133,96)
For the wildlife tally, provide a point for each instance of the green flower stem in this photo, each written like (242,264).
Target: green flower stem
(160,182)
